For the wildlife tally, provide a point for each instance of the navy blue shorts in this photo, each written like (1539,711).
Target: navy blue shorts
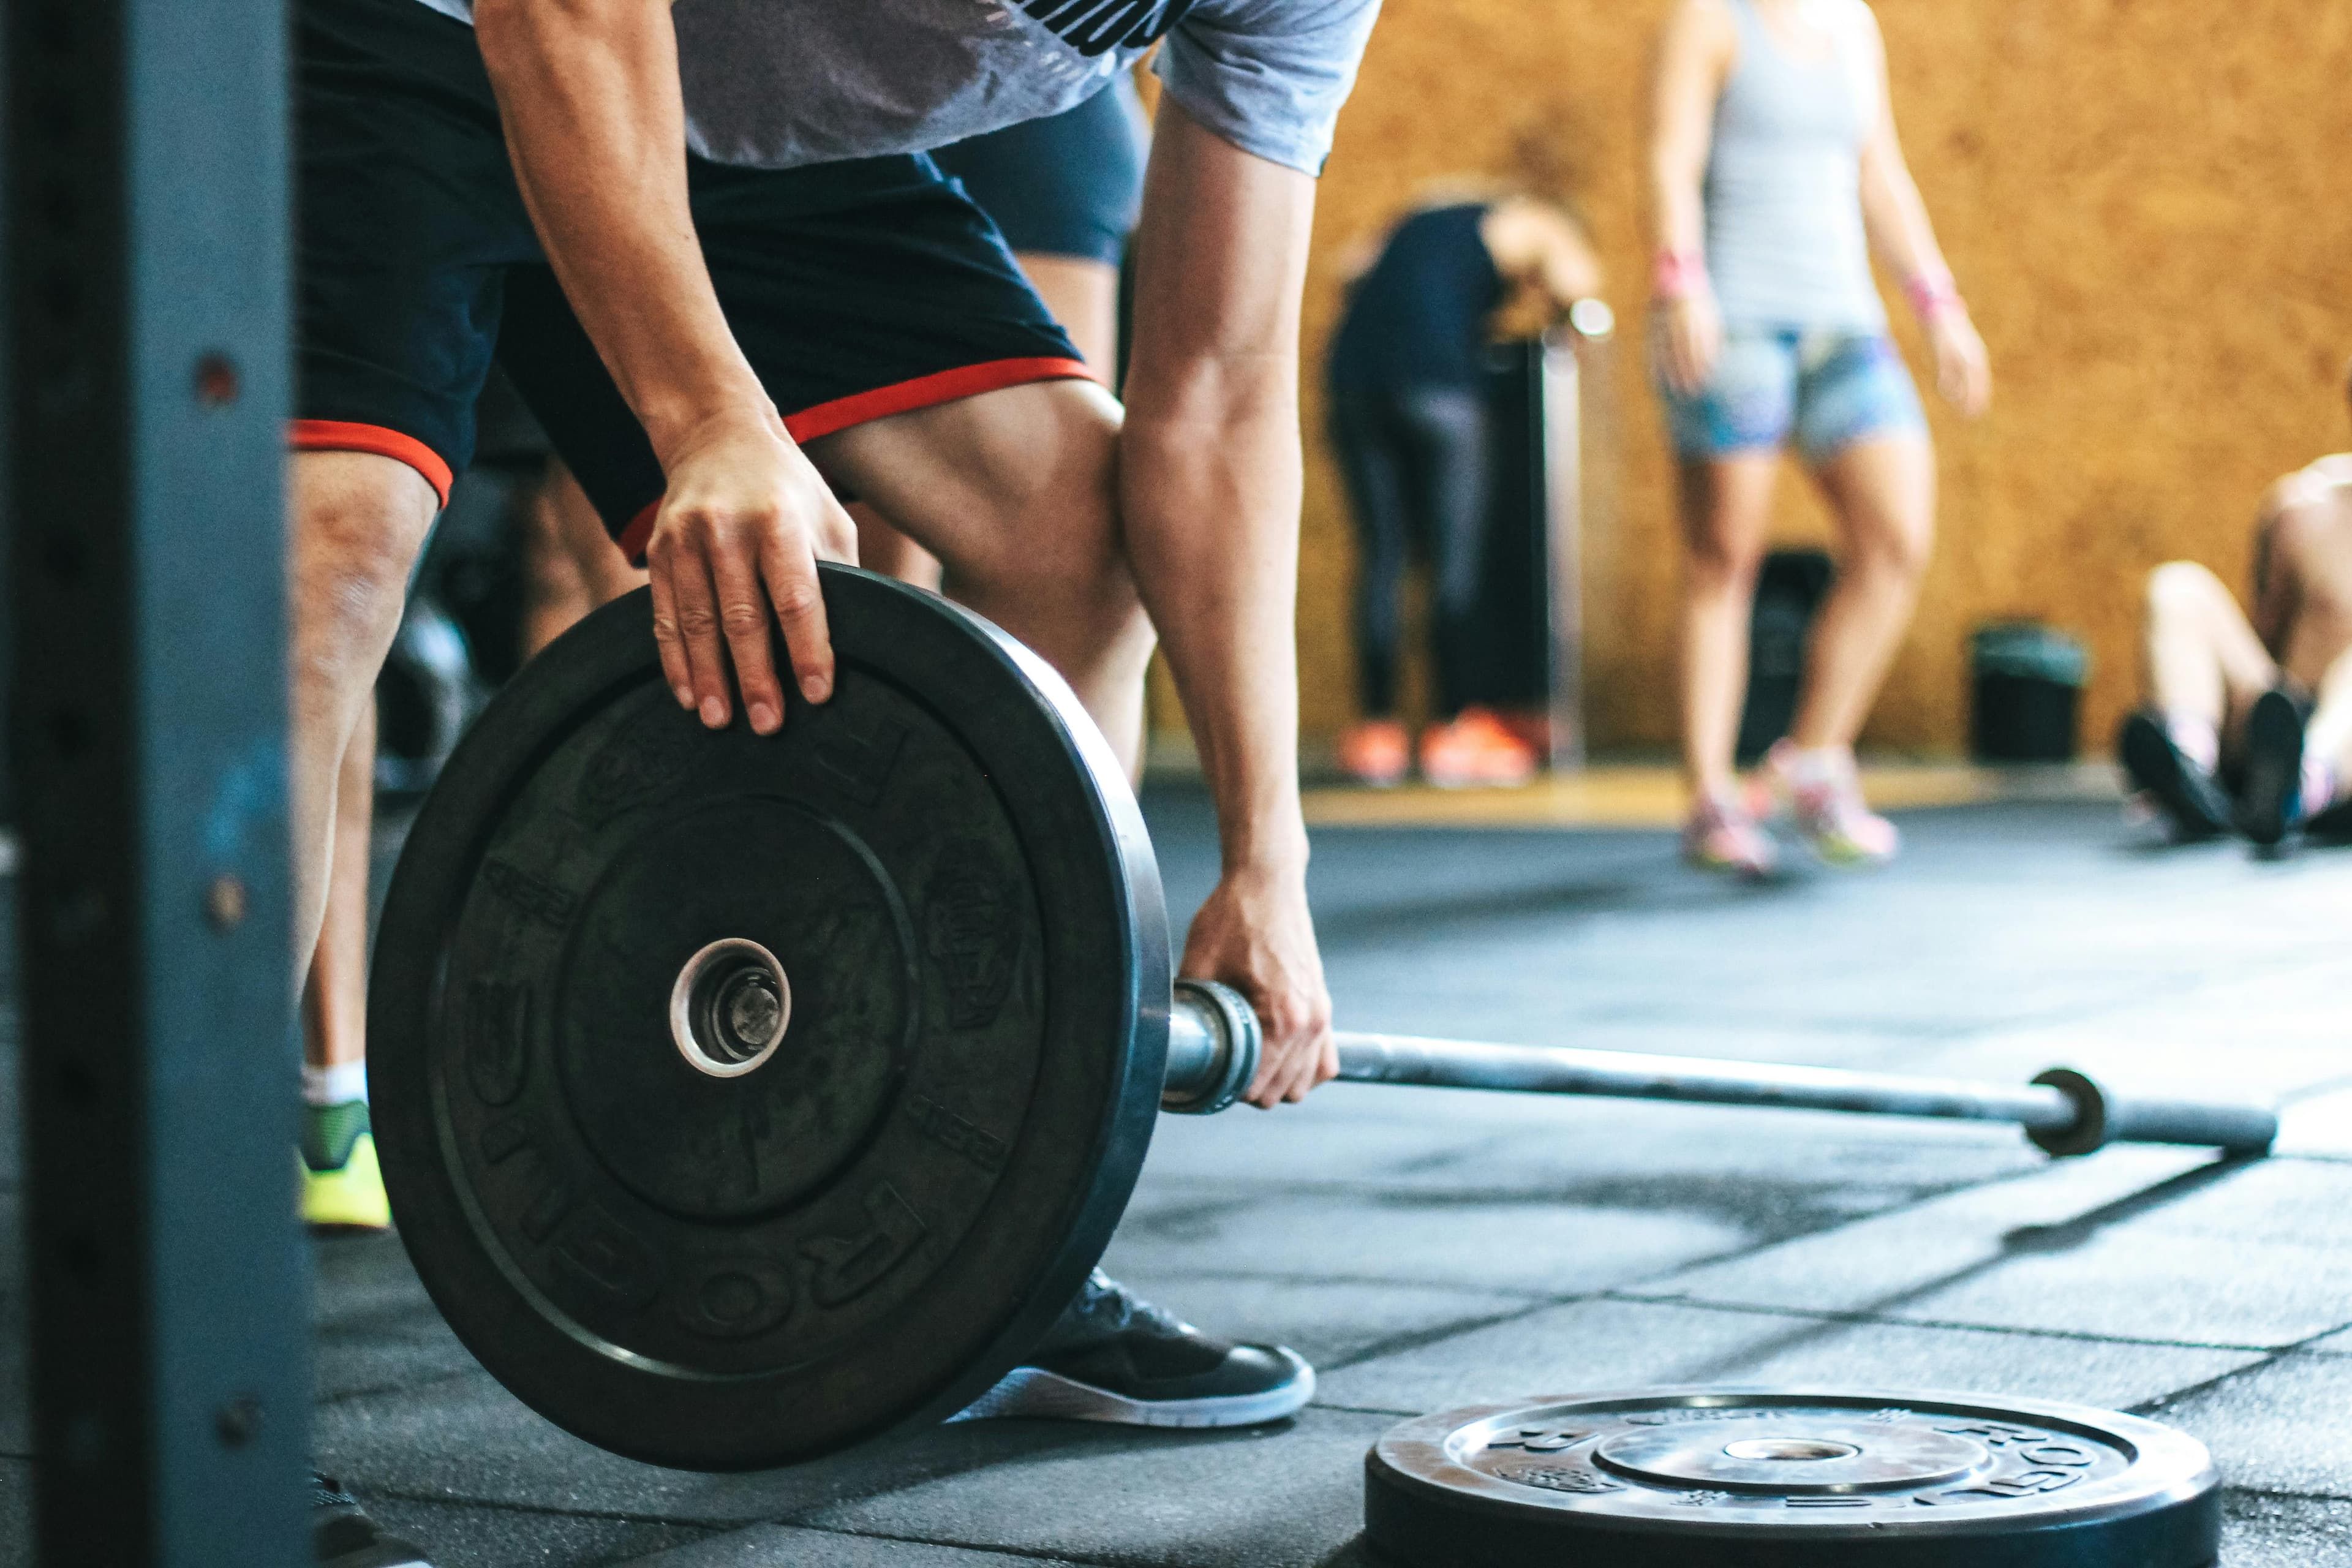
(857,289)
(1068,185)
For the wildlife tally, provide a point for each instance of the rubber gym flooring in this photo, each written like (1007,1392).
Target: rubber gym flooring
(1430,1249)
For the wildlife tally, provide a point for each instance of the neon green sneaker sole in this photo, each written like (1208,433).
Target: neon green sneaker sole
(350,1197)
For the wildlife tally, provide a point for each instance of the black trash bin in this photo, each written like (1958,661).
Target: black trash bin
(1789,590)
(2028,681)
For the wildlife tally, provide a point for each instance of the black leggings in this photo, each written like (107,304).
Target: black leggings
(1416,462)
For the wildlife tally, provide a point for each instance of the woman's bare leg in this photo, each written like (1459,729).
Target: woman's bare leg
(1726,507)
(1082,295)
(1884,493)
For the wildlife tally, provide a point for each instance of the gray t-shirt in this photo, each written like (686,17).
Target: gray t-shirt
(779,83)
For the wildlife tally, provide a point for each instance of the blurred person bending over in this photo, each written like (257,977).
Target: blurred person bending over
(1410,423)
(1776,169)
(2248,719)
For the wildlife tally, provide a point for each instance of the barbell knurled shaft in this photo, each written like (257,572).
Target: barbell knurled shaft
(1214,1049)
(1548,1069)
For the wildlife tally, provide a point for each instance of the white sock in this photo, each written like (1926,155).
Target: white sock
(337,1085)
(2318,785)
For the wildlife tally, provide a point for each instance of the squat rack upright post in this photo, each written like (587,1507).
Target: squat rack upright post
(147,256)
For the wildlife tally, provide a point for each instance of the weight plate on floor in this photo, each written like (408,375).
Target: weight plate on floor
(743,1098)
(1757,1478)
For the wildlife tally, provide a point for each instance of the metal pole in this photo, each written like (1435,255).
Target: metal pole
(147,218)
(1559,419)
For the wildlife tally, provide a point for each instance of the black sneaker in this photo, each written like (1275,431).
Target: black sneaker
(343,1536)
(1114,1357)
(2271,801)
(2190,795)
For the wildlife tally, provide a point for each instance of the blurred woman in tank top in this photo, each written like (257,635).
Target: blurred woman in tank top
(1776,172)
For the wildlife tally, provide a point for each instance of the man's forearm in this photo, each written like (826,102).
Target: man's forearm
(595,122)
(1210,495)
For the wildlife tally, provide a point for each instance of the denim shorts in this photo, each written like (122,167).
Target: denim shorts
(1826,390)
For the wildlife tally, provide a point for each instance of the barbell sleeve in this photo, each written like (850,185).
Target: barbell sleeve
(1214,1043)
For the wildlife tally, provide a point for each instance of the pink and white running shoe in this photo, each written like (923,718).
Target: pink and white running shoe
(1720,836)
(1825,793)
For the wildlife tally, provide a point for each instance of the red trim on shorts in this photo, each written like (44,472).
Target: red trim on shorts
(340,436)
(928,392)
(898,398)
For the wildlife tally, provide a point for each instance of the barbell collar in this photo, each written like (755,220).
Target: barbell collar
(2103,1117)
(1214,1042)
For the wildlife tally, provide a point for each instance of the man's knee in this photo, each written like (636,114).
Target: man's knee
(357,521)
(1066,565)
(1053,541)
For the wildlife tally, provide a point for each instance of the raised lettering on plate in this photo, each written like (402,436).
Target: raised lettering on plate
(846,1266)
(497,1036)
(970,933)
(944,1127)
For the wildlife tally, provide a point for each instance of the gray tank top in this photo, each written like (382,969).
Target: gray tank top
(1785,245)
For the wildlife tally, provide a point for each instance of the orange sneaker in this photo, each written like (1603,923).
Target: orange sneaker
(1475,751)
(1375,753)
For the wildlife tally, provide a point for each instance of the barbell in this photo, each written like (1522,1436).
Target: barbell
(1214,1042)
(741,1099)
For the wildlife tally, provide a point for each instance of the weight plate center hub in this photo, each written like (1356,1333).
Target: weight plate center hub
(693,1009)
(729,1008)
(1822,1456)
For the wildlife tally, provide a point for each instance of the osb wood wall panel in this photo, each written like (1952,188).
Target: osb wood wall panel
(2149,203)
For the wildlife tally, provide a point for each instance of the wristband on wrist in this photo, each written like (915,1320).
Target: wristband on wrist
(1931,293)
(1680,274)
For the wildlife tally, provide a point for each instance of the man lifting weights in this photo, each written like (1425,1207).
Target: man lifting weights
(2248,721)
(709,248)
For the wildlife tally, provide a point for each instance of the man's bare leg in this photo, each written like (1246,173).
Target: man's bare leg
(2204,669)
(1082,295)
(1013,491)
(555,590)
(583,569)
(882,548)
(2328,734)
(2311,549)
(334,1000)
(342,1185)
(357,521)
